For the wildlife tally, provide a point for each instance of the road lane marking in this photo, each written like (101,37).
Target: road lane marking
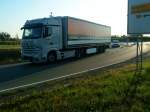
(65,76)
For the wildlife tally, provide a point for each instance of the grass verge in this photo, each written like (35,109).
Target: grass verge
(9,54)
(113,90)
(7,47)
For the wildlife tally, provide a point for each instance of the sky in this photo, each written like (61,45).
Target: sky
(14,13)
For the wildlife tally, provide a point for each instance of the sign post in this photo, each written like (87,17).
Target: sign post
(139,24)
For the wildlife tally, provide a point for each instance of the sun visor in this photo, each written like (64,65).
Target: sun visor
(35,25)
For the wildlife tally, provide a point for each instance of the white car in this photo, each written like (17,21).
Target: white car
(115,44)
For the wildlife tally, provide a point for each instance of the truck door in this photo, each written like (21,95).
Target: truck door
(53,37)
(56,37)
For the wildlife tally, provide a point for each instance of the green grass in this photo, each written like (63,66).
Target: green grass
(114,90)
(9,54)
(10,42)
(9,47)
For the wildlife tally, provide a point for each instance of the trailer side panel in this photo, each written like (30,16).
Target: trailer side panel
(85,33)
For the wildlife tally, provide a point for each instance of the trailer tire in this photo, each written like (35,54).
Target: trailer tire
(83,52)
(51,57)
(104,49)
(77,53)
(101,49)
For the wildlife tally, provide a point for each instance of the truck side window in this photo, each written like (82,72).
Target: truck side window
(47,31)
(50,31)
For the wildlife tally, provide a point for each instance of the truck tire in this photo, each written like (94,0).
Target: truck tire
(51,57)
(83,52)
(104,49)
(80,53)
(77,53)
(101,49)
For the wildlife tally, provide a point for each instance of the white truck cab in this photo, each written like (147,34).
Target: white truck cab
(41,39)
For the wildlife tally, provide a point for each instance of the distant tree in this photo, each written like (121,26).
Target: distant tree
(4,36)
(16,37)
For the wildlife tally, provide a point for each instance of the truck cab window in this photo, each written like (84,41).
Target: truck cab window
(32,33)
(47,31)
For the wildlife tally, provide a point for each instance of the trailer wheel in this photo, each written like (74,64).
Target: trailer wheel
(77,53)
(101,49)
(104,49)
(51,57)
(83,52)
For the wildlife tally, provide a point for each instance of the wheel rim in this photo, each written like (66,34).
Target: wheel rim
(51,58)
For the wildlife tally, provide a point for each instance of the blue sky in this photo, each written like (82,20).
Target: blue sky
(14,13)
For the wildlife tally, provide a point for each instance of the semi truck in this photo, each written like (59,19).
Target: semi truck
(56,38)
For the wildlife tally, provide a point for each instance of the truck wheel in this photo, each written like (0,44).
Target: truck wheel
(83,52)
(77,53)
(101,49)
(104,49)
(51,57)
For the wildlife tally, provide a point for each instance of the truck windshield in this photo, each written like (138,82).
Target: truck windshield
(32,33)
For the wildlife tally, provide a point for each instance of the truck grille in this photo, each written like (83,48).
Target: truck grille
(30,51)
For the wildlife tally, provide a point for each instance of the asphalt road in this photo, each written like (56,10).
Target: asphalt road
(21,74)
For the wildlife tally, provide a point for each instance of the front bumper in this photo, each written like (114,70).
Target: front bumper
(32,55)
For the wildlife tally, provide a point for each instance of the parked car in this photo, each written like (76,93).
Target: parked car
(115,44)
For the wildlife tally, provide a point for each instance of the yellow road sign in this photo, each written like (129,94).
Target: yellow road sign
(142,8)
(138,17)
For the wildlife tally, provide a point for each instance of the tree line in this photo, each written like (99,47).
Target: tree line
(4,36)
(129,38)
